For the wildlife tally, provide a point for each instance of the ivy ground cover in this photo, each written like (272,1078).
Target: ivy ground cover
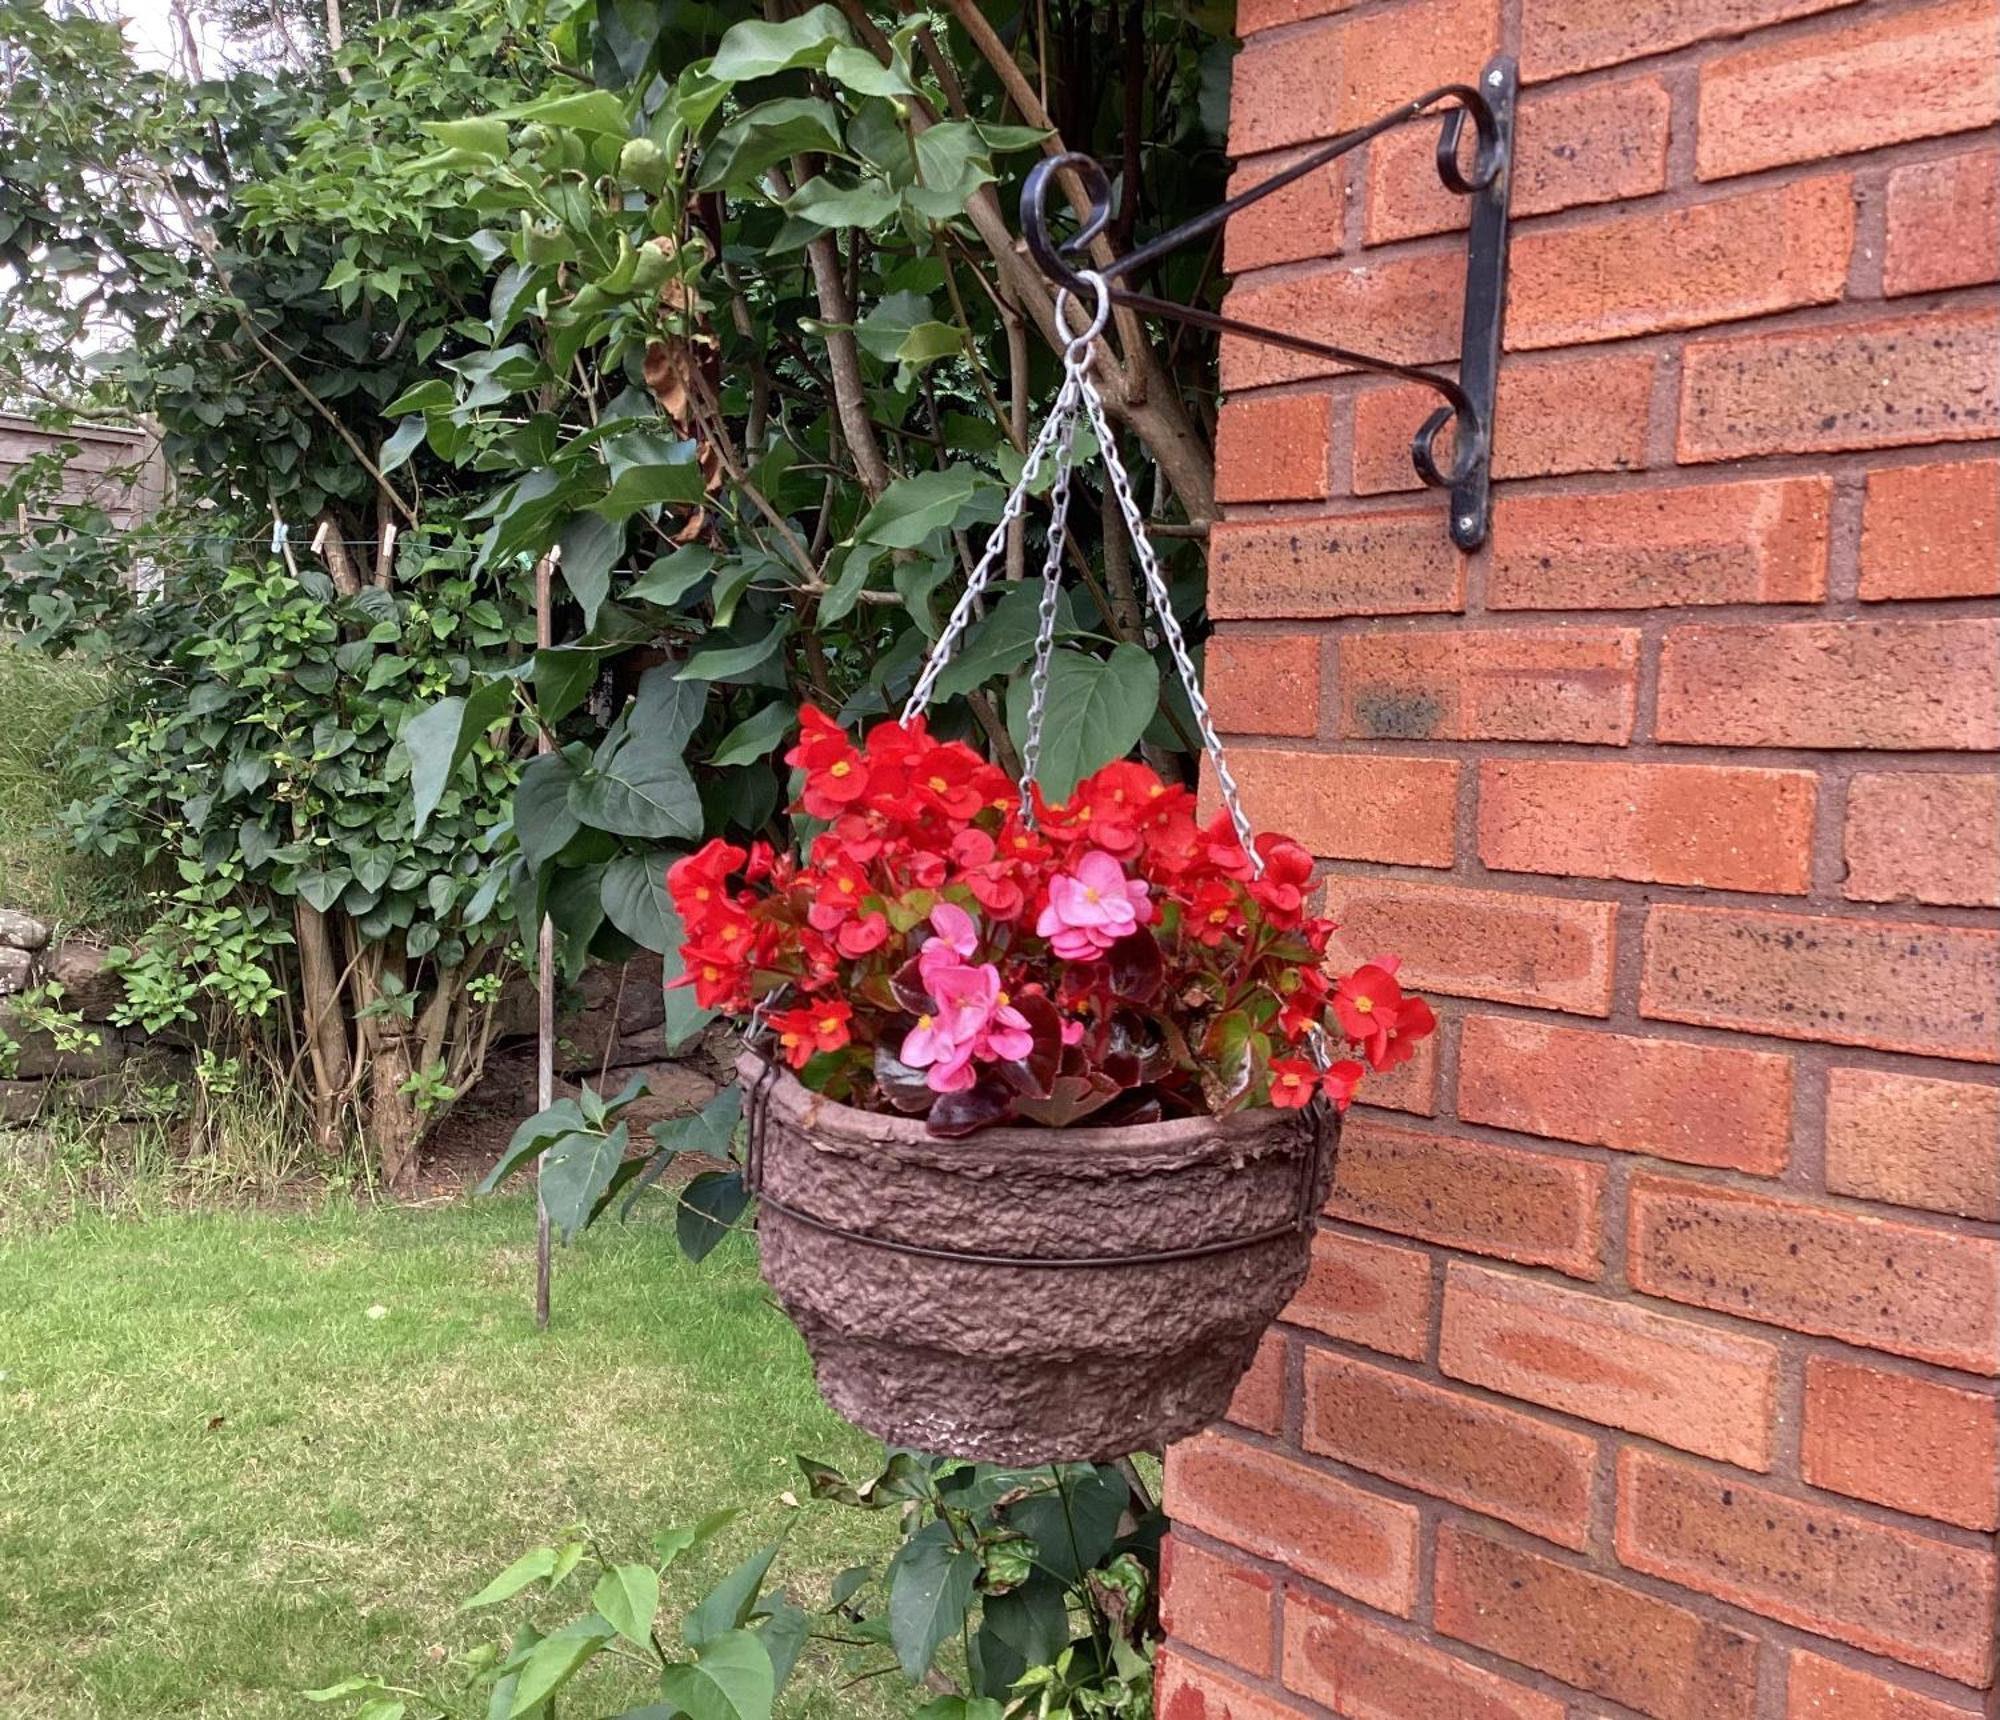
(225,1477)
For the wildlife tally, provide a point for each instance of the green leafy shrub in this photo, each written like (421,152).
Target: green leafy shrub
(1036,1587)
(251,763)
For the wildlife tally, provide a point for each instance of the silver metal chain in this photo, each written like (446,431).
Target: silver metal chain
(1170,627)
(1059,433)
(1045,621)
(1060,415)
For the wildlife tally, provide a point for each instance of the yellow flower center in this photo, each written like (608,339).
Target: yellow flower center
(841,768)
(1364,1004)
(1291,1081)
(924,1022)
(830,1024)
(1089,894)
(729,934)
(1217,915)
(847,886)
(939,785)
(1000,1000)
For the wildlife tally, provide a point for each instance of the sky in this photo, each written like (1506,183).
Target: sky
(155,36)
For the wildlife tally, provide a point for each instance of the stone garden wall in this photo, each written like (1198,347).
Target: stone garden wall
(94,1067)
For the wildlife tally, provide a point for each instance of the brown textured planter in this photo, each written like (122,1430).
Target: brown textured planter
(1028,1360)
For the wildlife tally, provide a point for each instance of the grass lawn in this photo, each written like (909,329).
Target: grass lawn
(224,1477)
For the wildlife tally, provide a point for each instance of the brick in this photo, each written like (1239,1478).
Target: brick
(1302,220)
(1532,1207)
(1259,1403)
(1758,542)
(1592,1632)
(1932,531)
(1908,1443)
(1734,257)
(1405,308)
(1685,1384)
(1825,1690)
(1263,683)
(1913,1141)
(1920,1601)
(1252,15)
(1389,55)
(1559,36)
(1190,1691)
(1369,1293)
(1698,1104)
(1944,224)
(1931,1294)
(1216,1604)
(1353,806)
(1601,143)
(1897,987)
(1283,90)
(1918,71)
(1719,827)
(1934,378)
(1586,414)
(1313,82)
(1503,946)
(1273,448)
(1924,837)
(1450,1445)
(1513,684)
(1357,1667)
(1361,564)
(1410,1086)
(1309,1521)
(1879,684)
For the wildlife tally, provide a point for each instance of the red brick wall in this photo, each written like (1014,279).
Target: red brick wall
(1647,1363)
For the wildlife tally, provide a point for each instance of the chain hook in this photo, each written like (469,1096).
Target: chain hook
(1076,355)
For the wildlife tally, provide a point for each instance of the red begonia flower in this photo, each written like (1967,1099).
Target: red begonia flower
(1293,1082)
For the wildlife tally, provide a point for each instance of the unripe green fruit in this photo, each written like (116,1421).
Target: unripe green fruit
(654,267)
(643,163)
(542,243)
(565,153)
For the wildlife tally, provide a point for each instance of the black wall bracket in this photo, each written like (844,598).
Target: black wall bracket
(1469,395)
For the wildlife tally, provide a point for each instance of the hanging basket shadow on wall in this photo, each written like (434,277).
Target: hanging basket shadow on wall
(1028,1296)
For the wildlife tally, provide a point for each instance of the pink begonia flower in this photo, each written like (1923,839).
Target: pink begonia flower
(972,1018)
(1091,910)
(979,1014)
(957,937)
(928,1043)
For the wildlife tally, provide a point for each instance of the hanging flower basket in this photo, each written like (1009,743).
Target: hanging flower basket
(1042,1095)
(1022,1295)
